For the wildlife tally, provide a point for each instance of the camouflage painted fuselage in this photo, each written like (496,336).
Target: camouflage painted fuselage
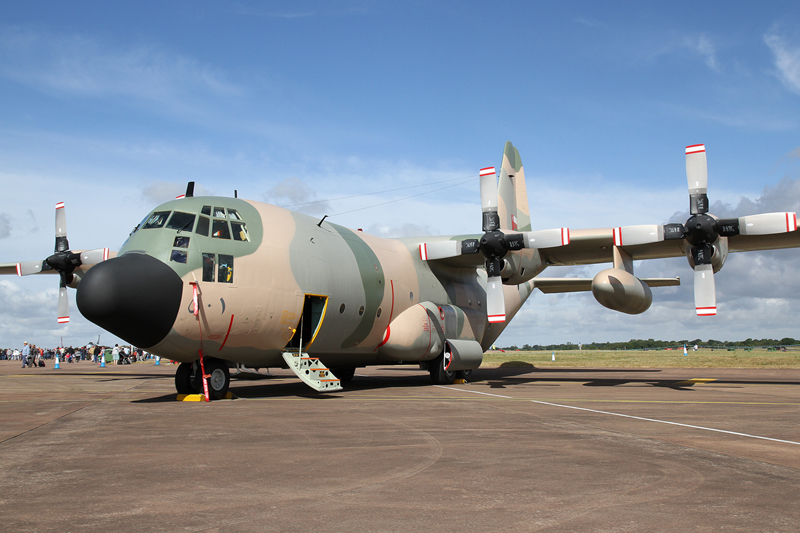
(379,301)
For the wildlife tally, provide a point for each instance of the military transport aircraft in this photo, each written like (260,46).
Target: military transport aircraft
(213,282)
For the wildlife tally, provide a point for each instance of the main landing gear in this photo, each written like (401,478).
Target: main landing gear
(188,378)
(440,376)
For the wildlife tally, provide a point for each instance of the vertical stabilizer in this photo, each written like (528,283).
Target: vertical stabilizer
(512,195)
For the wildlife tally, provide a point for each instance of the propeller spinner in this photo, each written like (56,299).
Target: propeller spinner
(494,245)
(62,261)
(702,230)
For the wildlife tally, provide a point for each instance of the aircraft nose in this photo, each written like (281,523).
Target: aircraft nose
(133,296)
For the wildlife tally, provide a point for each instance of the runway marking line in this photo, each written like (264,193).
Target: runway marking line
(736,433)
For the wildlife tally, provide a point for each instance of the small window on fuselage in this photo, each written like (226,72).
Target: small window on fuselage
(209,262)
(206,210)
(179,256)
(225,271)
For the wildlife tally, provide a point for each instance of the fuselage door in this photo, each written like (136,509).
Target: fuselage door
(314,307)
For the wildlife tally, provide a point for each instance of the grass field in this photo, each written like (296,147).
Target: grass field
(703,358)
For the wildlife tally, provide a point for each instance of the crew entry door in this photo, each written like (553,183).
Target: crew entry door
(314,307)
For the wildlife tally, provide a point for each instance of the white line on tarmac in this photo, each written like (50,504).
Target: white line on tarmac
(634,417)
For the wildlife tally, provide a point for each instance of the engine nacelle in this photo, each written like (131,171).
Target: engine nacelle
(717,258)
(415,335)
(621,291)
(521,266)
(462,355)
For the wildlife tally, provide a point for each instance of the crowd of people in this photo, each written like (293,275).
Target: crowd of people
(36,356)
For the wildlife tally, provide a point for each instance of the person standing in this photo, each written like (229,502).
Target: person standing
(26,352)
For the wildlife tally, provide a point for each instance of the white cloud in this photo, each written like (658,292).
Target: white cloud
(5,226)
(787,59)
(82,66)
(295,194)
(703,46)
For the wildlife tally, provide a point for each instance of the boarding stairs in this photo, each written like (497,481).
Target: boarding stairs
(312,371)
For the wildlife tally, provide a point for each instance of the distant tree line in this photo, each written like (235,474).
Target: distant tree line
(651,344)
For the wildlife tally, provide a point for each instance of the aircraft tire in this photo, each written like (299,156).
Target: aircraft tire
(220,378)
(440,376)
(463,374)
(183,379)
(344,373)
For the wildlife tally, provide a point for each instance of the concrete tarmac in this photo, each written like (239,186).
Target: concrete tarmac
(517,449)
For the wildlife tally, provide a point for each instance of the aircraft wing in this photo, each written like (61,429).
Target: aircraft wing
(589,246)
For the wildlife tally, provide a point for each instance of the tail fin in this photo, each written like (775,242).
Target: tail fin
(512,195)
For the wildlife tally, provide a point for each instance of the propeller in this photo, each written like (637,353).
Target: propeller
(494,245)
(702,230)
(62,261)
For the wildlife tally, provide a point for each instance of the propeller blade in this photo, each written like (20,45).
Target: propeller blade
(63,306)
(495,301)
(705,297)
(61,228)
(443,249)
(767,223)
(546,238)
(92,257)
(697,178)
(26,268)
(642,234)
(491,220)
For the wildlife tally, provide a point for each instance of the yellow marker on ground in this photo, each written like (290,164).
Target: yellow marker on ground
(695,381)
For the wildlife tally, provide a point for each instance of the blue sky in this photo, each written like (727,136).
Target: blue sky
(112,109)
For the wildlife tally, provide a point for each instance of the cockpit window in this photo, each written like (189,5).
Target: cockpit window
(219,212)
(156,220)
(233,214)
(220,230)
(181,221)
(202,226)
(206,210)
(239,231)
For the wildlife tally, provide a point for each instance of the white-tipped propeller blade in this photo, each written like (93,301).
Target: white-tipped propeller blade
(26,268)
(63,306)
(92,257)
(705,297)
(61,220)
(495,301)
(642,234)
(697,169)
(767,223)
(546,238)
(489,199)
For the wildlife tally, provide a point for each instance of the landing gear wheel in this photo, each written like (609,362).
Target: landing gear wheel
(219,380)
(440,376)
(344,373)
(183,379)
(463,374)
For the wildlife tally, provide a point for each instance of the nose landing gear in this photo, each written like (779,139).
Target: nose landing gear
(188,378)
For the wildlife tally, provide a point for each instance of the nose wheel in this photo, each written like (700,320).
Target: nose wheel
(188,378)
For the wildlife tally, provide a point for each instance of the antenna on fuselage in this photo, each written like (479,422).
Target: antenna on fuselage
(321,221)
(235,193)
(189,189)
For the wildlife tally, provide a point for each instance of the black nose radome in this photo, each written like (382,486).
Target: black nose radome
(133,296)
